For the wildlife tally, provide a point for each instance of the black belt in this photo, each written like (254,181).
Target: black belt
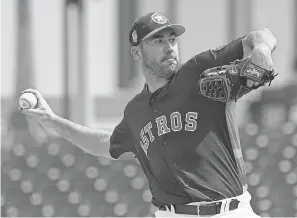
(204,209)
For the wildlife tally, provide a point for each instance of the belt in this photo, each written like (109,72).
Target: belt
(204,209)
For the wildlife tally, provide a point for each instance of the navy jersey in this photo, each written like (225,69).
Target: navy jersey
(187,144)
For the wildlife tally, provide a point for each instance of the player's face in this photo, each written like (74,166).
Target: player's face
(160,54)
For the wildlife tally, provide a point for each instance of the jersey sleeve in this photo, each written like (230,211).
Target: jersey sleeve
(223,55)
(229,52)
(121,140)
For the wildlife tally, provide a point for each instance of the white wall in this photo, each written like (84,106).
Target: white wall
(205,23)
(47,42)
(47,46)
(148,6)
(279,18)
(8,51)
(102,42)
(206,28)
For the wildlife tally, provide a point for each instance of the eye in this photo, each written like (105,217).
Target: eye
(158,41)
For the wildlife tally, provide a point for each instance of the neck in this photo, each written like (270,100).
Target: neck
(154,82)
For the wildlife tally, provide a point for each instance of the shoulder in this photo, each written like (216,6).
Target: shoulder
(197,61)
(221,55)
(200,57)
(132,104)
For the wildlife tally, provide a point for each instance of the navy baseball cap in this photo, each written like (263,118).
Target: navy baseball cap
(149,25)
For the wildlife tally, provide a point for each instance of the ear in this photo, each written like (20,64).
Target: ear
(135,51)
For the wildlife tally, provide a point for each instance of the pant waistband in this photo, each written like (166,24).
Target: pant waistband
(208,208)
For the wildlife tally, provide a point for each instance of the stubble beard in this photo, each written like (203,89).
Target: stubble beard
(158,70)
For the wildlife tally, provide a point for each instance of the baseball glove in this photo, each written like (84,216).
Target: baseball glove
(228,82)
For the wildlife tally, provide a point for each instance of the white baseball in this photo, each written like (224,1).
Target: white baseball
(27,101)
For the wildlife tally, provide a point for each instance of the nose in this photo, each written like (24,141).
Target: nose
(168,48)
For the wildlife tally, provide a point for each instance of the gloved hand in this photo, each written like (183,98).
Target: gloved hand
(231,82)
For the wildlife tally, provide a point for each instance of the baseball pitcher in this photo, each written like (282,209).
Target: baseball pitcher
(182,126)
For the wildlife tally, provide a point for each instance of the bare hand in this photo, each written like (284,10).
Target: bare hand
(42,111)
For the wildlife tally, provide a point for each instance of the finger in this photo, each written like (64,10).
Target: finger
(33,112)
(249,83)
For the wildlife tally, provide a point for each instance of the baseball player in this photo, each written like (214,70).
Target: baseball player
(181,127)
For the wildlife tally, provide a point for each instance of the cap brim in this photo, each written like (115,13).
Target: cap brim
(177,29)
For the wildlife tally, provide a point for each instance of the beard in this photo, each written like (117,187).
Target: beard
(160,70)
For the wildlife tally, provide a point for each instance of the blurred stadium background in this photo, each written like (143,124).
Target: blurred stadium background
(76,53)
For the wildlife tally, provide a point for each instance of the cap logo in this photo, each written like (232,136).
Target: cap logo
(134,36)
(159,18)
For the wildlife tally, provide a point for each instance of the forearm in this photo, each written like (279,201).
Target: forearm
(93,141)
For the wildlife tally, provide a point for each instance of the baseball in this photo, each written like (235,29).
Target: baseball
(27,101)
